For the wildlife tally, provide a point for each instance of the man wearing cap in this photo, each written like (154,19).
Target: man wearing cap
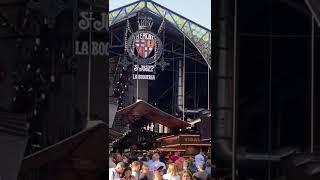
(156,163)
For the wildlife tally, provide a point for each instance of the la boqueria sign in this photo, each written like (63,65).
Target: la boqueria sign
(98,21)
(140,70)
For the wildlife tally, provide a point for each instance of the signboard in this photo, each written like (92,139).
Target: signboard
(189,140)
(180,140)
(98,21)
(146,72)
(170,141)
(144,48)
(97,48)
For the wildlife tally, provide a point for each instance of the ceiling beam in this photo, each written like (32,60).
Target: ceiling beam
(299,7)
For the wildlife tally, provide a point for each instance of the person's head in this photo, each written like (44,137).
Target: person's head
(111,156)
(145,169)
(135,165)
(208,163)
(118,157)
(200,166)
(127,172)
(186,164)
(155,157)
(158,175)
(125,159)
(172,169)
(144,159)
(120,167)
(186,175)
(140,156)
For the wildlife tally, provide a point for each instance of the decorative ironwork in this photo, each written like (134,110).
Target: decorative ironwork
(124,62)
(144,39)
(197,34)
(163,64)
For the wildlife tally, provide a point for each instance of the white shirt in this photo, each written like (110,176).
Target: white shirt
(113,175)
(136,175)
(111,164)
(199,159)
(169,177)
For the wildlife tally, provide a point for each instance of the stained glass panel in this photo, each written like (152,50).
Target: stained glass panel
(161,10)
(198,35)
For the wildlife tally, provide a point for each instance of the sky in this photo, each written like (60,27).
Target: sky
(196,11)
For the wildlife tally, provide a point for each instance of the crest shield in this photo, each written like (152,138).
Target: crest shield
(144,46)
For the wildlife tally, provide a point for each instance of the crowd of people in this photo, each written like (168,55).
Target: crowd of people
(159,166)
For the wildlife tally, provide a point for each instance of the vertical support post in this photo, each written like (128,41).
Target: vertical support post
(235,89)
(137,83)
(89,70)
(184,74)
(208,88)
(270,92)
(173,83)
(312,87)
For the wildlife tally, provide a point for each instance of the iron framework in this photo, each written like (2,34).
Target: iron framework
(197,34)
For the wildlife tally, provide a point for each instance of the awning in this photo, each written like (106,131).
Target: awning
(86,149)
(143,109)
(113,135)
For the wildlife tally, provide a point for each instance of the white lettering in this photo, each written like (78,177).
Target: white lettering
(101,48)
(77,51)
(98,48)
(144,36)
(87,20)
(144,68)
(135,67)
(94,49)
(143,76)
(84,23)
(85,48)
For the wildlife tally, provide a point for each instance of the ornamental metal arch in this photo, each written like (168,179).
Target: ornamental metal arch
(197,34)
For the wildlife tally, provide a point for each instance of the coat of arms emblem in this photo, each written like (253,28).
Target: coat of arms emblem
(144,46)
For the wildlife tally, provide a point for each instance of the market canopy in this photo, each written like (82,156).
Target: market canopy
(197,34)
(86,150)
(141,109)
(113,135)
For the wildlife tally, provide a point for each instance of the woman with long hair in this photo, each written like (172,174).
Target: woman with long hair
(145,173)
(186,175)
(172,172)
